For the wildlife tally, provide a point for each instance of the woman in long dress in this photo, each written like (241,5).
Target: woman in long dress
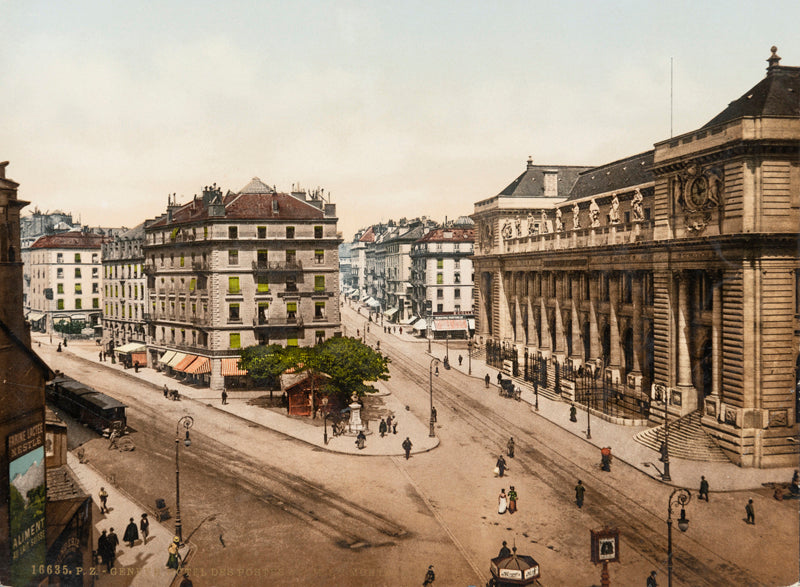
(502,502)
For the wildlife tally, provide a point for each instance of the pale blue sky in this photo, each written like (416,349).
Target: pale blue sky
(397,108)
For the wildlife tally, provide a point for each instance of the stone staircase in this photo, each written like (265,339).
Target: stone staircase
(687,440)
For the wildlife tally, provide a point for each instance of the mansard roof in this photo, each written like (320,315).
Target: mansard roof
(531,182)
(778,94)
(70,240)
(614,177)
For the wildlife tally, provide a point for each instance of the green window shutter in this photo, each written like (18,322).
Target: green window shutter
(174,233)
(233,285)
(78,304)
(236,340)
(192,283)
(440,263)
(78,288)
(60,304)
(205,232)
(264,305)
(60,288)
(182,261)
(291,306)
(95,302)
(291,342)
(263,285)
(439,278)
(319,283)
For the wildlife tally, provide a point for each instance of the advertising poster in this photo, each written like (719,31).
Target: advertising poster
(26,504)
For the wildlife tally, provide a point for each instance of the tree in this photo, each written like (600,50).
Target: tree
(265,364)
(350,364)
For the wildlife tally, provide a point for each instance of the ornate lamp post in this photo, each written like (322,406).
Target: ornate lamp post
(665,453)
(469,355)
(677,497)
(430,381)
(325,420)
(186,422)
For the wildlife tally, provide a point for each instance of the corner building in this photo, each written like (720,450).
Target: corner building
(671,275)
(246,268)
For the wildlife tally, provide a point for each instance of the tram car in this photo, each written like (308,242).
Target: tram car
(87,405)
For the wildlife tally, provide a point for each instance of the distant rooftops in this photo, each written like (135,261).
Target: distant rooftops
(70,240)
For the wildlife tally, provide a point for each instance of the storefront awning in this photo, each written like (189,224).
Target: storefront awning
(185,362)
(471,323)
(140,358)
(409,320)
(354,295)
(79,317)
(131,347)
(230,367)
(200,366)
(390,313)
(35,316)
(421,324)
(449,324)
(176,359)
(166,357)
(369,300)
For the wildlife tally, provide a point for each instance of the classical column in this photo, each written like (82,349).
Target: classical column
(483,303)
(594,332)
(559,321)
(533,338)
(716,337)
(682,332)
(505,329)
(636,368)
(613,322)
(577,345)
(519,332)
(544,341)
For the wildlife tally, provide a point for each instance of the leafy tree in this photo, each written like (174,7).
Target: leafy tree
(265,364)
(350,364)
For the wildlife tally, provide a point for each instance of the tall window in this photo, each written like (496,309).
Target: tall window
(78,288)
(440,263)
(319,283)
(60,273)
(261,231)
(263,285)
(291,310)
(233,313)
(78,303)
(77,257)
(439,278)
(233,285)
(60,288)
(319,256)
(317,232)
(60,304)
(235,340)
(233,257)
(319,310)
(233,232)
(77,273)
(290,232)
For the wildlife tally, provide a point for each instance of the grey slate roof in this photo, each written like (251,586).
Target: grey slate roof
(616,176)
(531,182)
(778,94)
(256,186)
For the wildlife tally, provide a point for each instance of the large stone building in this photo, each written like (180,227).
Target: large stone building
(230,271)
(673,273)
(65,279)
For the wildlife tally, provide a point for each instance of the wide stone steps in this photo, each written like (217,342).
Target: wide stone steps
(687,440)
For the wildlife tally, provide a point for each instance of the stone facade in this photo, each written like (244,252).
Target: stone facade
(674,273)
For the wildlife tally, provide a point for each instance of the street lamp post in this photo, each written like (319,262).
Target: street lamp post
(469,355)
(447,347)
(186,422)
(434,361)
(665,456)
(589,390)
(325,420)
(680,497)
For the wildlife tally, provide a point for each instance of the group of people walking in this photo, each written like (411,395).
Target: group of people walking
(108,541)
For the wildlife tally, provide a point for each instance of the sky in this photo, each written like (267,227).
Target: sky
(393,108)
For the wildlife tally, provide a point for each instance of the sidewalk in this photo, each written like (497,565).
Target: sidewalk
(310,431)
(146,563)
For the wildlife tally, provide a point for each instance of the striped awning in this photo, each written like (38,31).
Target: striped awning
(445,324)
(185,362)
(200,366)
(230,367)
(176,359)
(165,358)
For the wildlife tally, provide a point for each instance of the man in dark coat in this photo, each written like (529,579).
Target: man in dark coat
(703,488)
(504,551)
(131,533)
(430,577)
(104,552)
(651,580)
(407,447)
(187,582)
(750,511)
(501,466)
(579,491)
(144,527)
(486,380)
(382,428)
(572,413)
(113,542)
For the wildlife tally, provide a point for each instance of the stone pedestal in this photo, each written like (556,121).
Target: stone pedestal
(355,425)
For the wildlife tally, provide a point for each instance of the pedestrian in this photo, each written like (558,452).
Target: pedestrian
(101,356)
(430,577)
(579,491)
(433,414)
(499,378)
(166,390)
(187,582)
(750,511)
(131,533)
(174,560)
(113,542)
(504,550)
(510,447)
(502,502)
(407,447)
(136,367)
(144,528)
(460,359)
(500,466)
(605,458)
(573,413)
(224,396)
(361,440)
(58,350)
(394,426)
(651,580)
(103,500)
(512,500)
(703,488)
(382,427)
(486,380)
(103,551)
(388,423)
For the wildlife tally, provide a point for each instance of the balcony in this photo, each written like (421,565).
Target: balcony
(201,266)
(277,321)
(260,267)
(614,234)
